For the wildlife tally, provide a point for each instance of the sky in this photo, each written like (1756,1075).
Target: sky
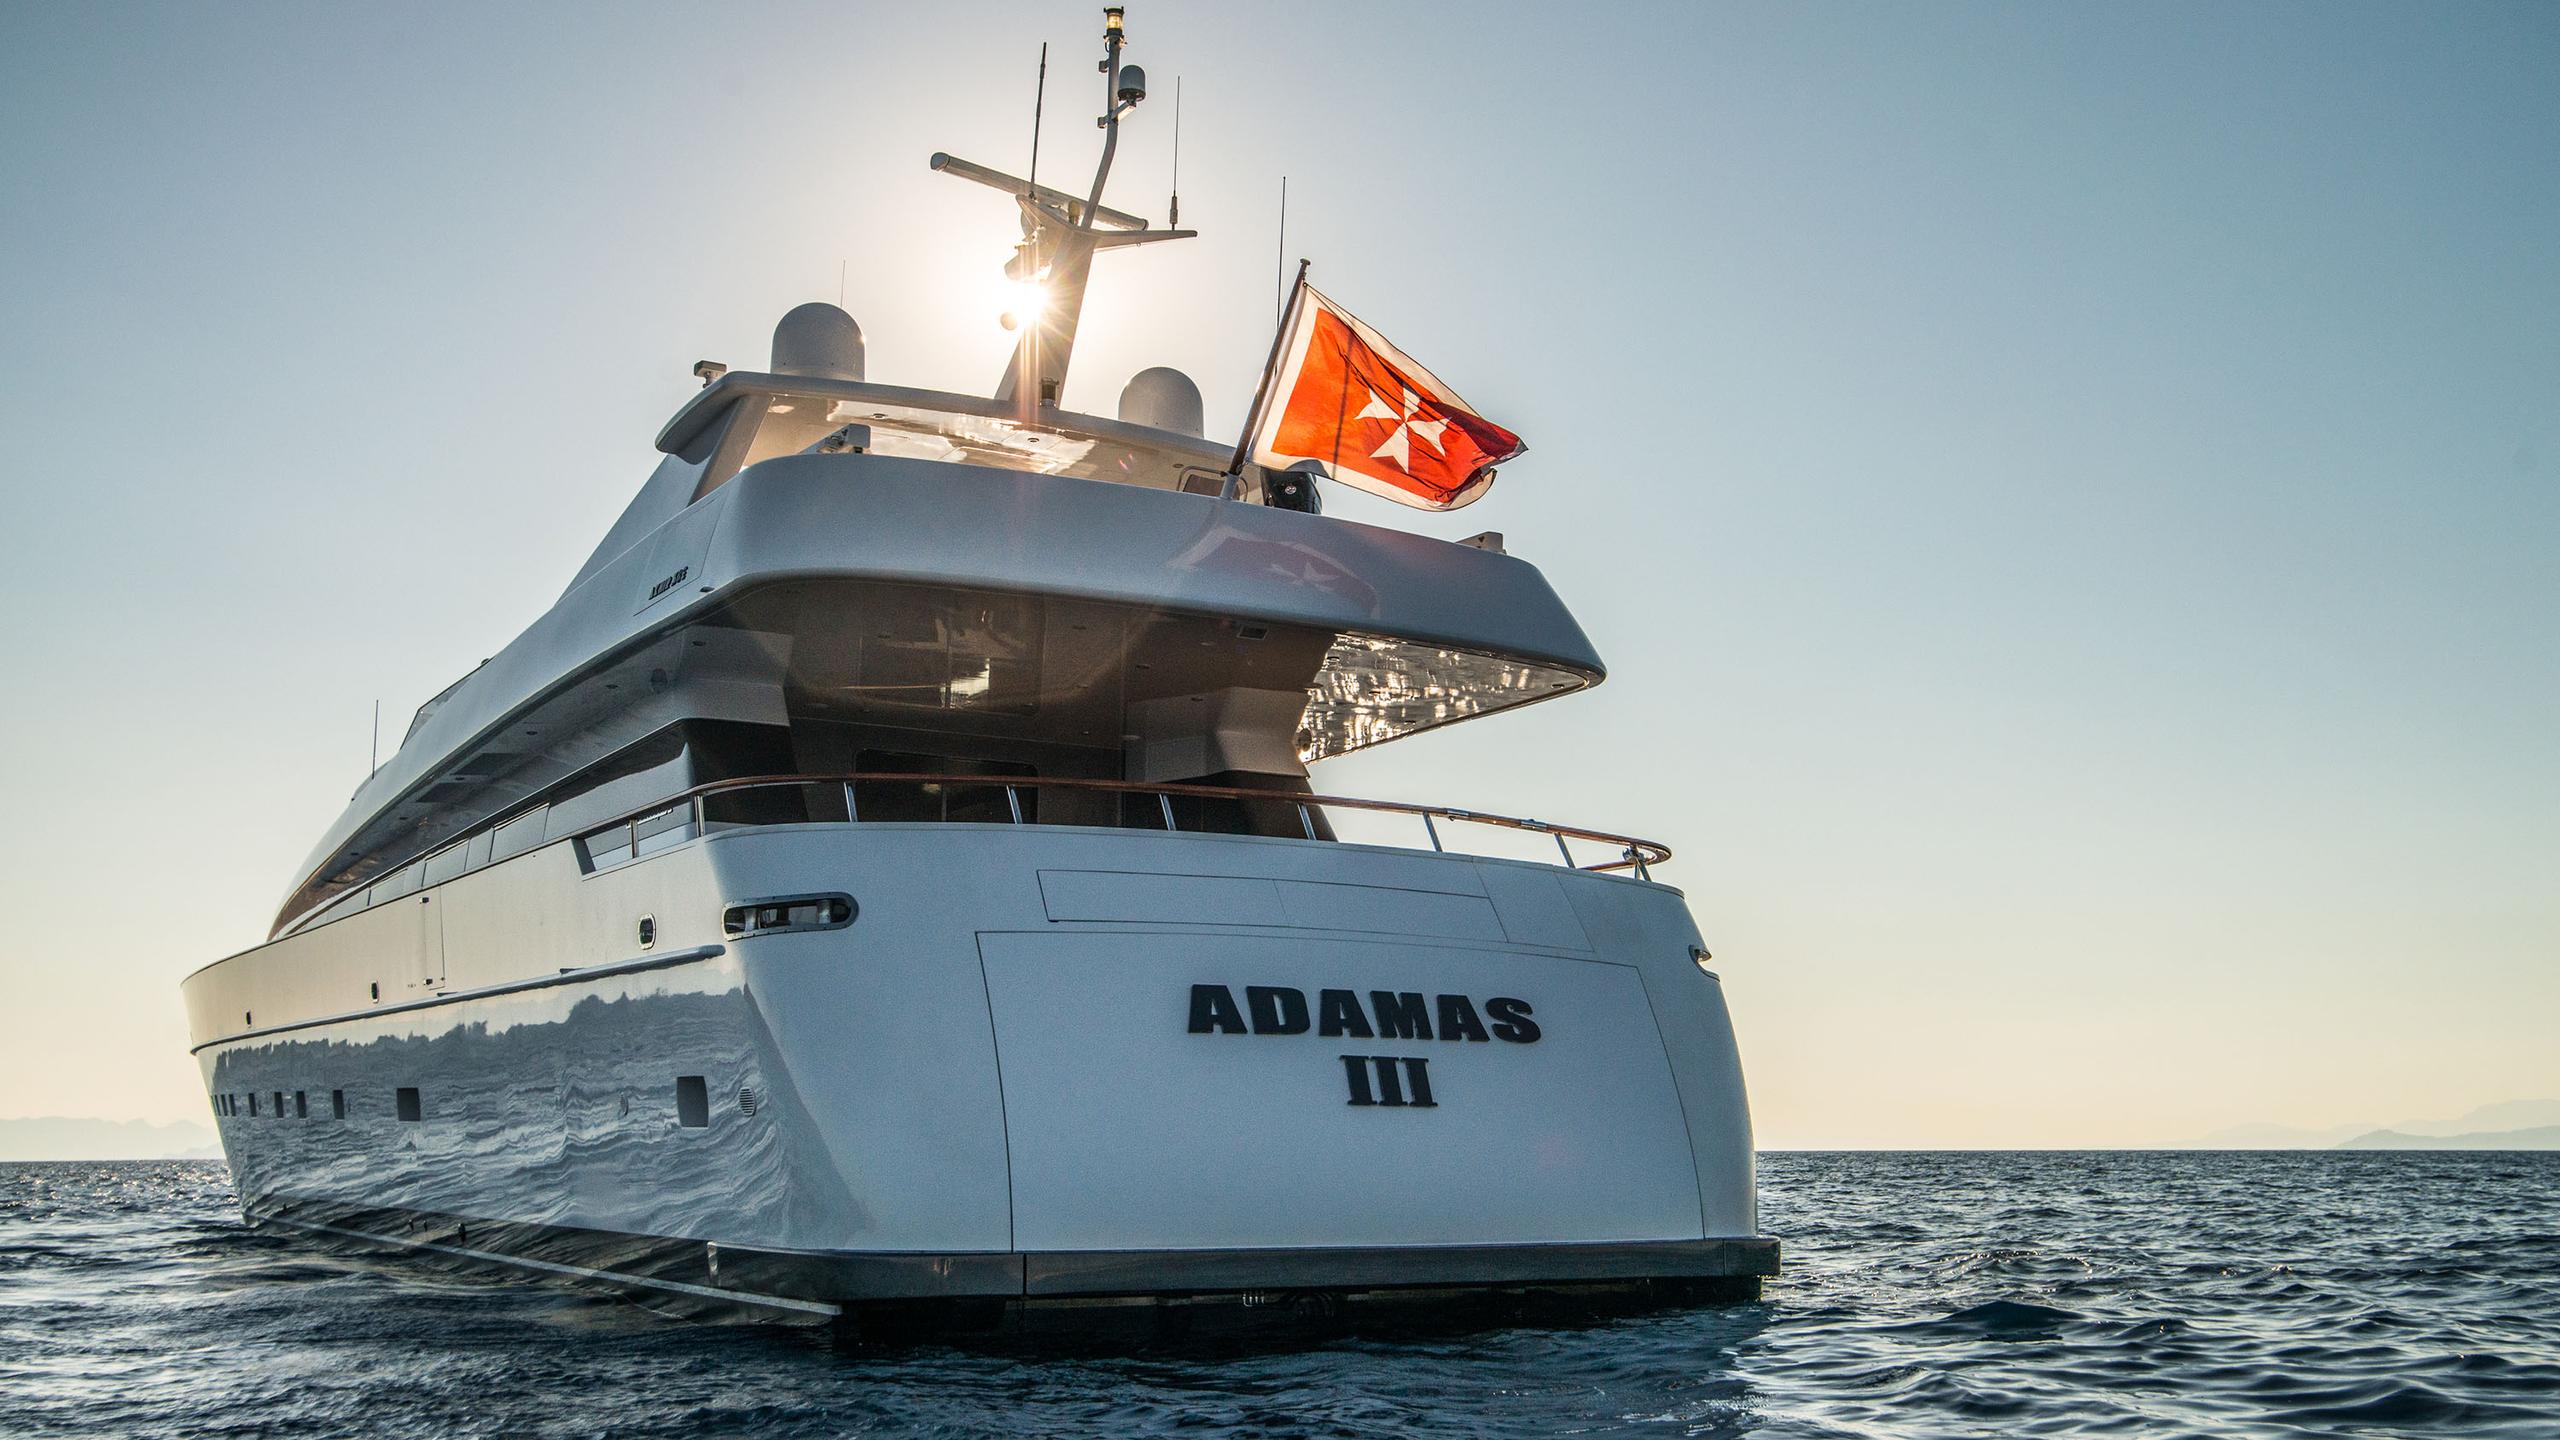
(2069,495)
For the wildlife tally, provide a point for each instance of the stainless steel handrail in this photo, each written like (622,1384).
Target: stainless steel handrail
(1639,856)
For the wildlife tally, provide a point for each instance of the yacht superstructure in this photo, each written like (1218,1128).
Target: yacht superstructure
(890,873)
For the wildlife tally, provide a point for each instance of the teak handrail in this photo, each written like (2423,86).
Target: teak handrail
(1633,854)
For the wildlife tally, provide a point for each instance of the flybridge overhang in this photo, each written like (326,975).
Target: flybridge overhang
(1003,603)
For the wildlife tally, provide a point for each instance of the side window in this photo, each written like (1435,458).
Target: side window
(609,846)
(671,826)
(518,835)
(446,863)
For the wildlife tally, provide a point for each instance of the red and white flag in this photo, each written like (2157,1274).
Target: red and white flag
(1344,397)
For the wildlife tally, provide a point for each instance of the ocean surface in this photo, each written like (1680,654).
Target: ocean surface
(2118,1294)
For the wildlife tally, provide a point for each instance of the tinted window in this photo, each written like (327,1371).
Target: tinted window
(446,863)
(518,835)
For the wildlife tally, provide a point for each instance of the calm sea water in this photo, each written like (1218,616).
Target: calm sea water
(1926,1295)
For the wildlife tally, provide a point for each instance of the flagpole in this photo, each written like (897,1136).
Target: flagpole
(1262,392)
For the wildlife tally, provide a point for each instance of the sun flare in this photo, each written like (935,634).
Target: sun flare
(1023,301)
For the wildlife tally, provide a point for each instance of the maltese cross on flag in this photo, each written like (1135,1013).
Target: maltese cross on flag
(1342,396)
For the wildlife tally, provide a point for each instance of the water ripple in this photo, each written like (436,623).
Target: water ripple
(1927,1295)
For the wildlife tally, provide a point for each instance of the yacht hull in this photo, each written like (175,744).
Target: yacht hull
(1028,1063)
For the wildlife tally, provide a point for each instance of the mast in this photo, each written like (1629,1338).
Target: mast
(1061,234)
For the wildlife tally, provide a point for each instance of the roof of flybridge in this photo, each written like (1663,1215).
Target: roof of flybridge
(861,399)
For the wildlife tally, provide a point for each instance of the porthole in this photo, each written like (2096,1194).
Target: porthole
(648,931)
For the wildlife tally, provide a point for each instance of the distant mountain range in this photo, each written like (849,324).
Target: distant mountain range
(2509,1125)
(56,1137)
(2532,1137)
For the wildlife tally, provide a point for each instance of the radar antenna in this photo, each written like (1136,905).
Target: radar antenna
(1060,234)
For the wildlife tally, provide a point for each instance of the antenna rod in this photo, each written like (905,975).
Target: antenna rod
(1280,259)
(377,736)
(1039,97)
(1173,208)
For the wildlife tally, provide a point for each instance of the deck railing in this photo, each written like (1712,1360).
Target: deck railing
(666,822)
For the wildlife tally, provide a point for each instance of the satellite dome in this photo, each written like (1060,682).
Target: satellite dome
(818,339)
(1162,398)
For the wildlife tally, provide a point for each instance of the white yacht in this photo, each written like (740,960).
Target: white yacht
(891,873)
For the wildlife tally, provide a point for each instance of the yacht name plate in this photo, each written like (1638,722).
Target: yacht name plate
(1387,1081)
